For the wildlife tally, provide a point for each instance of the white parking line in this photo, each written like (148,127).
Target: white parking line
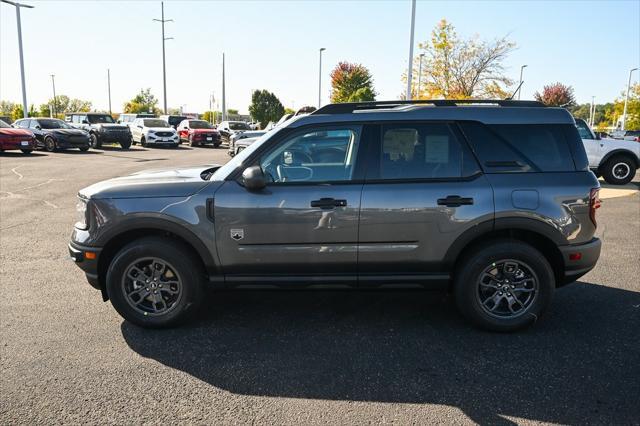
(15,171)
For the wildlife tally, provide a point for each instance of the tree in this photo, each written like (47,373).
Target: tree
(454,68)
(633,109)
(265,107)
(557,95)
(208,115)
(232,111)
(144,101)
(583,111)
(351,83)
(6,107)
(289,111)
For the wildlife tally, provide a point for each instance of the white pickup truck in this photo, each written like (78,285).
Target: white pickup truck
(616,160)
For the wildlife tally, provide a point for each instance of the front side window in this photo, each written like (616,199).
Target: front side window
(319,155)
(423,151)
(199,124)
(96,119)
(583,130)
(239,126)
(23,124)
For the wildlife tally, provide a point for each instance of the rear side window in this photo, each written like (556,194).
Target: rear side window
(520,147)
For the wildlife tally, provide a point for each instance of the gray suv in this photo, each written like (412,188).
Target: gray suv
(492,201)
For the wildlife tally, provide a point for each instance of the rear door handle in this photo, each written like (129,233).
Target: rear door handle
(328,203)
(455,201)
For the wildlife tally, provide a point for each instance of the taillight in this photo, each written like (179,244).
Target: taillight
(594,204)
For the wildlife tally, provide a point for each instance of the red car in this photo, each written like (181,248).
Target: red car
(11,138)
(198,132)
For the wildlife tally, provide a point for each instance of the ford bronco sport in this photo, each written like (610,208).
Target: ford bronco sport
(493,201)
(101,127)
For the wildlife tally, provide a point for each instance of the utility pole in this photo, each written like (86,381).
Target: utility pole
(164,63)
(520,85)
(109,88)
(626,99)
(592,111)
(224,105)
(322,49)
(413,25)
(420,75)
(25,110)
(55,102)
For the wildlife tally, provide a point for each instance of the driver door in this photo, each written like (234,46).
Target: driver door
(304,223)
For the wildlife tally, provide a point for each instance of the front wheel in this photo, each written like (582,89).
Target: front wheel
(505,285)
(125,144)
(153,284)
(143,141)
(26,151)
(84,148)
(50,144)
(94,141)
(619,170)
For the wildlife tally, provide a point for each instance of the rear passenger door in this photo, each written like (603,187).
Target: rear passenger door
(423,189)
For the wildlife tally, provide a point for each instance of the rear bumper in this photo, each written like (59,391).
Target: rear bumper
(89,266)
(579,259)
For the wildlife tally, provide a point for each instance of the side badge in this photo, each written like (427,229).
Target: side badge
(237,234)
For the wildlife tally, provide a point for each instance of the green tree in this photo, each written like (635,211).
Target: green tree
(231,111)
(351,83)
(455,68)
(633,109)
(143,102)
(265,107)
(208,115)
(289,111)
(6,107)
(557,95)
(16,112)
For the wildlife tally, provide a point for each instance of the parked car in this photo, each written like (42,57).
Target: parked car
(198,132)
(173,120)
(494,203)
(154,131)
(240,145)
(631,135)
(127,118)
(53,134)
(244,135)
(229,128)
(102,128)
(11,138)
(616,160)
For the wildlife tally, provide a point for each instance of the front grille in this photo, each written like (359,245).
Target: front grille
(164,134)
(77,139)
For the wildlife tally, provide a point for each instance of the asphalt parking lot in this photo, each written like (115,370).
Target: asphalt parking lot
(295,357)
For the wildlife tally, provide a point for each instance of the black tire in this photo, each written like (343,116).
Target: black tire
(50,144)
(125,144)
(192,142)
(174,254)
(94,141)
(84,148)
(468,288)
(26,151)
(619,170)
(143,141)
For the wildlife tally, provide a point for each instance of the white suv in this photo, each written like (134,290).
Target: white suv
(614,159)
(153,131)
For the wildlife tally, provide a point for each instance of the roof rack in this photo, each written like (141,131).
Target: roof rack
(347,108)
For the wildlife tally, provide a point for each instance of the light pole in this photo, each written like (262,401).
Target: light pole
(520,85)
(164,64)
(592,111)
(25,111)
(420,75)
(109,88)
(55,103)
(224,105)
(410,73)
(322,49)
(626,99)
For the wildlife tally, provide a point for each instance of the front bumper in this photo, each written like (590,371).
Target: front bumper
(114,137)
(66,143)
(79,255)
(579,259)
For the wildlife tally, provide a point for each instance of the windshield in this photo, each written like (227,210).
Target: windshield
(53,124)
(238,125)
(155,123)
(200,124)
(3,124)
(94,119)
(224,171)
(176,119)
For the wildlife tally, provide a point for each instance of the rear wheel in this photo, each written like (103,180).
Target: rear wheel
(152,283)
(125,144)
(619,170)
(50,144)
(504,285)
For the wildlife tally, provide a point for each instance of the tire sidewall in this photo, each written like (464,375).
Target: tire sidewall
(174,254)
(466,283)
(95,142)
(610,178)
(49,144)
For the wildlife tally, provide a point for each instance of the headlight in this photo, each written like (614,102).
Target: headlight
(81,214)
(151,131)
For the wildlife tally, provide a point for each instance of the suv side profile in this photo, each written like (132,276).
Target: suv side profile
(491,201)
(101,127)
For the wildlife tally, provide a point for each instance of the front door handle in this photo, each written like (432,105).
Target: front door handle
(455,201)
(328,203)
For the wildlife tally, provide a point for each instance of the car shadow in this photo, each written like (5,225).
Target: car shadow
(118,148)
(20,154)
(579,364)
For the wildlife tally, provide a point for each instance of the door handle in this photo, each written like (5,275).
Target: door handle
(455,201)
(328,203)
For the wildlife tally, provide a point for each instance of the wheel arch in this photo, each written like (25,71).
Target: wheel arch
(620,151)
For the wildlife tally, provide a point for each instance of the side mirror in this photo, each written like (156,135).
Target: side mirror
(139,126)
(38,128)
(253,178)
(85,122)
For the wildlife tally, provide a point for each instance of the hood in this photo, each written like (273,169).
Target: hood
(66,132)
(245,142)
(14,132)
(173,182)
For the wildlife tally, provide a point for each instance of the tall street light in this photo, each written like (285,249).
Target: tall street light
(520,85)
(25,111)
(413,25)
(322,49)
(164,64)
(55,103)
(224,98)
(420,75)
(626,99)
(109,88)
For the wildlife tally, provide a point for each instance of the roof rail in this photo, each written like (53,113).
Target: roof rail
(350,107)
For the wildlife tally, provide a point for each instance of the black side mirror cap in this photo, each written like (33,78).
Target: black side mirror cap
(253,178)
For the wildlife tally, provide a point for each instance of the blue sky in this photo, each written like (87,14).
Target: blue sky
(590,45)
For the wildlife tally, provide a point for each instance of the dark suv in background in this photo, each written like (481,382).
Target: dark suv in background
(492,201)
(102,128)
